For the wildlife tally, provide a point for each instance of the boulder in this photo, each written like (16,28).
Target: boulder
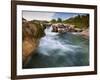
(31,35)
(85,33)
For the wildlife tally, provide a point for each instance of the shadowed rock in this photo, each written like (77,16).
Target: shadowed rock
(31,34)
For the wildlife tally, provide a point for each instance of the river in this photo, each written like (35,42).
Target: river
(60,50)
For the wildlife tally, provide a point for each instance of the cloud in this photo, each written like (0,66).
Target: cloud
(30,15)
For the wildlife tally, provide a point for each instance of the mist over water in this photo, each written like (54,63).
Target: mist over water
(60,50)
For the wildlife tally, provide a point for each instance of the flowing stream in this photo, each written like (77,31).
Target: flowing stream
(60,50)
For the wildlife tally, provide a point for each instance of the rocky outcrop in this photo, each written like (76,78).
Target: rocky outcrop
(85,33)
(59,27)
(31,34)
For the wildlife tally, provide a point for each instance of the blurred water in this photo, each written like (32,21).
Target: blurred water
(60,50)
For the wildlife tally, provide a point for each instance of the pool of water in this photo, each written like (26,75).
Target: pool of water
(60,50)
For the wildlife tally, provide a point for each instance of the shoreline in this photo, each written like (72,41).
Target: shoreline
(84,35)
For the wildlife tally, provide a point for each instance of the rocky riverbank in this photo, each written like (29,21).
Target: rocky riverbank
(32,32)
(59,27)
(85,33)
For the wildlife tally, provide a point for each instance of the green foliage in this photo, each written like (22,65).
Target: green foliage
(59,20)
(80,21)
(53,21)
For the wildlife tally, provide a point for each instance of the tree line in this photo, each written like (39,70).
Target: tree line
(80,21)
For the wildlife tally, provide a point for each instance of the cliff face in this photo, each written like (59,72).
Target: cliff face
(31,34)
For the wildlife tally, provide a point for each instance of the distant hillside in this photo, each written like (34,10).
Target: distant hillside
(80,21)
(39,21)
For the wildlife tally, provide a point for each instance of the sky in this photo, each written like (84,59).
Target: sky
(37,15)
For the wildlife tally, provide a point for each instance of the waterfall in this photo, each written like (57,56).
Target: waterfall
(51,42)
(48,31)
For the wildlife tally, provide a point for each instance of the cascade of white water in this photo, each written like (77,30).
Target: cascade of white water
(51,42)
(48,31)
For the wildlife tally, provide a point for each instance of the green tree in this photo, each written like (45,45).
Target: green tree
(53,21)
(59,20)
